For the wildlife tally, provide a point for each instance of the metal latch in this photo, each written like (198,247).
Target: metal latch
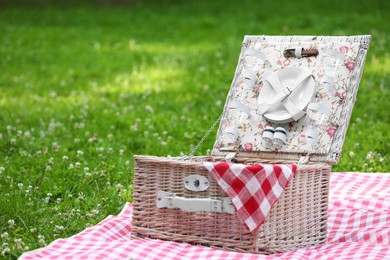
(171,201)
(196,183)
(304,159)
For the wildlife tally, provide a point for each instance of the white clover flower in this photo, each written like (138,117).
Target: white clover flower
(65,158)
(27,134)
(109,136)
(119,186)
(86,169)
(19,244)
(2,169)
(13,141)
(88,225)
(58,228)
(351,154)
(77,165)
(127,163)
(48,168)
(149,109)
(33,230)
(50,161)
(370,156)
(121,151)
(5,251)
(58,200)
(92,139)
(20,185)
(11,223)
(134,127)
(80,153)
(71,166)
(5,236)
(81,196)
(70,196)
(77,140)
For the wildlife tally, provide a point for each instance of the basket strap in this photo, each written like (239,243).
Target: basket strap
(255,53)
(249,75)
(283,93)
(240,106)
(320,107)
(328,78)
(298,52)
(333,54)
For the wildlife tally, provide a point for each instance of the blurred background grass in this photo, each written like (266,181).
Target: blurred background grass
(86,85)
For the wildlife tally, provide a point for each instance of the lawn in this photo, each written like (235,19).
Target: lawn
(84,87)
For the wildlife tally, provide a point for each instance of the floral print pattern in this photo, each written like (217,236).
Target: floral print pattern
(250,128)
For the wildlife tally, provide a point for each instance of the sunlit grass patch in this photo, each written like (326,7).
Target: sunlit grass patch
(83,88)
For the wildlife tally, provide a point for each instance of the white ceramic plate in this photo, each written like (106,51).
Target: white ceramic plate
(301,96)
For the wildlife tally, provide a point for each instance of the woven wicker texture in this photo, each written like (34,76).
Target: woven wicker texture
(297,220)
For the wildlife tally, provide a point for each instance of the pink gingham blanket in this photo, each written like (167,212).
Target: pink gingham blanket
(253,189)
(358,228)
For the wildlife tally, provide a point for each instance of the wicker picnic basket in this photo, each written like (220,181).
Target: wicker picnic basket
(176,199)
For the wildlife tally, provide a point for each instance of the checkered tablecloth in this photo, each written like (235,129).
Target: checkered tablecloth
(358,228)
(253,189)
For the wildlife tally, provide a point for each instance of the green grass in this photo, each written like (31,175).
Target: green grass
(85,87)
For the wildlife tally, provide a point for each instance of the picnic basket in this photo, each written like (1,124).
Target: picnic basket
(305,87)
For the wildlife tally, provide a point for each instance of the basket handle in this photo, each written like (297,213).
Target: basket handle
(300,53)
(171,201)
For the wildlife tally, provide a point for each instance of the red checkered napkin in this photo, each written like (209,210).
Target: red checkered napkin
(253,189)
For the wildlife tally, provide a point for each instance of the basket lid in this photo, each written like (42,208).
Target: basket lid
(292,97)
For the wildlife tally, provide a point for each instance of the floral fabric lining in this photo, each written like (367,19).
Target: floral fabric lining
(249,129)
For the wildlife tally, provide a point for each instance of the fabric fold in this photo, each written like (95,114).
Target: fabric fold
(253,189)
